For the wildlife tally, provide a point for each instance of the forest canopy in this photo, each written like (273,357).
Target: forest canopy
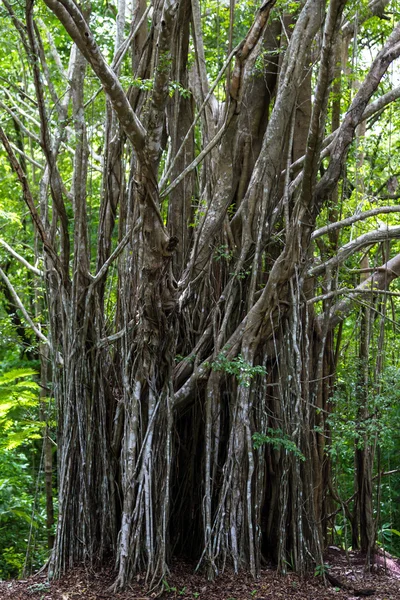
(199,294)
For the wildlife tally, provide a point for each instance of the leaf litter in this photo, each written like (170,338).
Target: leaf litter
(183,584)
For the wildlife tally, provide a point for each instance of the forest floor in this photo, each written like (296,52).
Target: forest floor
(82,584)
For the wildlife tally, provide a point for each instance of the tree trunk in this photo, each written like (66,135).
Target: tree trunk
(191,326)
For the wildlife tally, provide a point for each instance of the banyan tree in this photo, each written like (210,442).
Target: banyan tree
(183,166)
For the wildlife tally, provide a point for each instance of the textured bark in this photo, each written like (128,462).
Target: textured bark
(364,451)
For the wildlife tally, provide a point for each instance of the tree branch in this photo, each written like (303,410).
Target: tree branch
(318,117)
(342,291)
(30,202)
(21,259)
(16,118)
(354,219)
(371,109)
(354,115)
(372,237)
(379,280)
(104,268)
(53,49)
(212,143)
(160,92)
(27,157)
(56,183)
(199,158)
(75,24)
(247,46)
(375,8)
(18,302)
(347,502)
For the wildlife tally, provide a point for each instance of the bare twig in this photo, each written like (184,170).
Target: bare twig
(21,259)
(18,302)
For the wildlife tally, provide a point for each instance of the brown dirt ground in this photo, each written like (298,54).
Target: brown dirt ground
(183,584)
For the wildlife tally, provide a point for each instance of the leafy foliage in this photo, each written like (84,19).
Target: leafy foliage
(20,519)
(18,396)
(17,518)
(277,440)
(238,367)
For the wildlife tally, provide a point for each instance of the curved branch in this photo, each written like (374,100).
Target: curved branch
(190,130)
(354,219)
(372,237)
(346,291)
(18,302)
(372,108)
(28,198)
(104,268)
(247,46)
(27,157)
(354,115)
(379,280)
(21,259)
(16,118)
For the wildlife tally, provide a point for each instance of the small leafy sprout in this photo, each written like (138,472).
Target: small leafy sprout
(175,86)
(321,570)
(164,62)
(167,587)
(241,274)
(200,209)
(231,210)
(145,85)
(223,252)
(196,594)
